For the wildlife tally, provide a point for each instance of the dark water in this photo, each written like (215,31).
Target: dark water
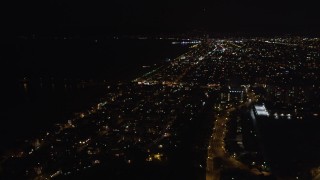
(292,146)
(86,58)
(46,81)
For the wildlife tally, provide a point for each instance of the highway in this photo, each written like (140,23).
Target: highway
(218,159)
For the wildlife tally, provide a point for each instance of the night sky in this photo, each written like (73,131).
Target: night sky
(162,16)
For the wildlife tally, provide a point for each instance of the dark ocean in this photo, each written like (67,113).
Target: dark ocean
(46,80)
